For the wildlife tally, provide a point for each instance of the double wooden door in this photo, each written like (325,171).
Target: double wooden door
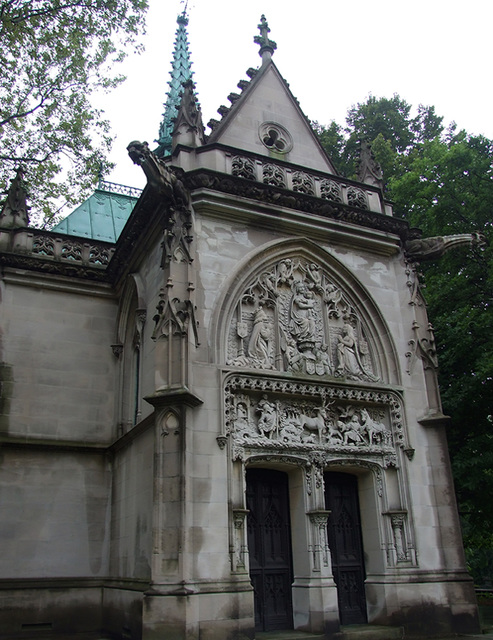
(346,548)
(269,547)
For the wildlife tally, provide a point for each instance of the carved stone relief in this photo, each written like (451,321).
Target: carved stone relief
(278,415)
(292,317)
(330,190)
(303,183)
(243,167)
(274,175)
(357,198)
(399,547)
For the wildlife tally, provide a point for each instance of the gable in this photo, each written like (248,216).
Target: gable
(267,111)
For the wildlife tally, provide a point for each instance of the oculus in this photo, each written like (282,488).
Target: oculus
(275,137)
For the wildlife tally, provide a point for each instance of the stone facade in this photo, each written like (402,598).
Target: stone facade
(258,321)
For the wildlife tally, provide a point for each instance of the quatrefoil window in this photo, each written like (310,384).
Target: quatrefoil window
(275,137)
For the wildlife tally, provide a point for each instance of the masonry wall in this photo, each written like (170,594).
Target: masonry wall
(57,360)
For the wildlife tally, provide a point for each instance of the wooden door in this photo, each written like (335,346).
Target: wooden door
(346,548)
(269,547)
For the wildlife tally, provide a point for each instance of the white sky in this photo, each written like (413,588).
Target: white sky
(333,55)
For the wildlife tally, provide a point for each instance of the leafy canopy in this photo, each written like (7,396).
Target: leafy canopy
(53,55)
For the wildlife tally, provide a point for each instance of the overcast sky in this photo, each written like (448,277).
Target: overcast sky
(333,55)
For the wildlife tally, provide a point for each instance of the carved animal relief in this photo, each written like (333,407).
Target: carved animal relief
(275,414)
(293,318)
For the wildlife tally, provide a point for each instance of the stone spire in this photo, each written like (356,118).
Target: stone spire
(369,171)
(188,129)
(15,212)
(181,72)
(267,47)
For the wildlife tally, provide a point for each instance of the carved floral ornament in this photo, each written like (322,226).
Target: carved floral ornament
(315,421)
(293,318)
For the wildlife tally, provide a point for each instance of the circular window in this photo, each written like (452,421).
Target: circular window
(275,137)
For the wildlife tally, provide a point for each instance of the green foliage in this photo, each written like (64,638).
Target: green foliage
(442,182)
(53,55)
(446,187)
(334,143)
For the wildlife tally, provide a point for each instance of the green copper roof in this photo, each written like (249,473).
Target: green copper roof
(103,215)
(180,72)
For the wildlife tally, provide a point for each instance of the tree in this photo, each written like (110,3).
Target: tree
(54,54)
(446,187)
(442,182)
(386,124)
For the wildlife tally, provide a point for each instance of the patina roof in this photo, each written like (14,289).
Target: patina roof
(103,215)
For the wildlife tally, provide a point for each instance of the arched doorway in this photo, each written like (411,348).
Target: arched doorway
(346,547)
(269,547)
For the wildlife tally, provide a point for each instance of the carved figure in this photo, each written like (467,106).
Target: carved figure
(259,346)
(243,426)
(353,431)
(322,361)
(376,431)
(315,275)
(348,361)
(285,271)
(158,174)
(334,301)
(302,321)
(334,432)
(293,356)
(267,422)
(316,423)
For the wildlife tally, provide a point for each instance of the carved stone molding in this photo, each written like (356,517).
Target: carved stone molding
(274,192)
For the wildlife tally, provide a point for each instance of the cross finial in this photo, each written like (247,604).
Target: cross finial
(267,47)
(183,17)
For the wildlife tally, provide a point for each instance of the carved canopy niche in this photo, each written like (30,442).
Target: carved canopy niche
(299,311)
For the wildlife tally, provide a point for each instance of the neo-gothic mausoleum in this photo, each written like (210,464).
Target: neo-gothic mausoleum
(219,407)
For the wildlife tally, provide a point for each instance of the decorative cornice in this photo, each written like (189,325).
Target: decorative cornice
(268,194)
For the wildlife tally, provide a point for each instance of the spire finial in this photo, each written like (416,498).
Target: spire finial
(15,213)
(180,73)
(183,17)
(267,47)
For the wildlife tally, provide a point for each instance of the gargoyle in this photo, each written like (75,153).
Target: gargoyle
(431,248)
(159,175)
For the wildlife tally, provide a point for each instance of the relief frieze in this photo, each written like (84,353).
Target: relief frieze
(276,415)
